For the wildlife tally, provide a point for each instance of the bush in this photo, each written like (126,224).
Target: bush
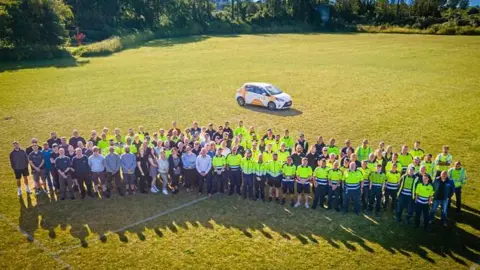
(32,52)
(219,27)
(114,44)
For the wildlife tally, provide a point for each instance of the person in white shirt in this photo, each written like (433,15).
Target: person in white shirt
(163,167)
(203,165)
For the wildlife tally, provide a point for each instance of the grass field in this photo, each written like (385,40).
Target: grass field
(396,88)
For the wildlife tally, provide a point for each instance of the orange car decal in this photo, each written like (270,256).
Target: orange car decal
(257,102)
(271,98)
(243,92)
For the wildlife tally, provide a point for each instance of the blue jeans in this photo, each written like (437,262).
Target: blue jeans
(404,201)
(444,205)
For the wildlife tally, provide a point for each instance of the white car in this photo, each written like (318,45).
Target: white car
(263,94)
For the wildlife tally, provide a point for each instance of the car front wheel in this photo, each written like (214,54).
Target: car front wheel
(241,101)
(271,106)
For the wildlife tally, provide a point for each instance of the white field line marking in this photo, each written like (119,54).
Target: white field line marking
(136,223)
(52,255)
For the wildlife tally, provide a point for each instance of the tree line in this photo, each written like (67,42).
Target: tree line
(55,22)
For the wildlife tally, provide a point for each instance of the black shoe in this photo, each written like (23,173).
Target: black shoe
(63,199)
(72,198)
(270,199)
(255,199)
(230,193)
(292,203)
(277,200)
(282,202)
(244,197)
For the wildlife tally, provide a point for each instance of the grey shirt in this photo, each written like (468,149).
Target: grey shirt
(18,159)
(112,163)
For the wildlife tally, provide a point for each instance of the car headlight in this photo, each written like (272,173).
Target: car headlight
(279,99)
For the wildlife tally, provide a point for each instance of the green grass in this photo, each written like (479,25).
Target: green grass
(396,88)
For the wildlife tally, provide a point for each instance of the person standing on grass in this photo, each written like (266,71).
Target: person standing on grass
(76,138)
(288,182)
(234,160)
(429,165)
(274,178)
(366,171)
(189,172)
(391,188)
(175,168)
(94,138)
(174,127)
(248,166)
(55,176)
(363,151)
(30,148)
(303,143)
(405,159)
(142,170)
(443,189)
(353,180)
(112,167)
(260,178)
(377,185)
(203,165)
(219,178)
(405,200)
(423,198)
(153,172)
(319,146)
(129,165)
(321,182)
(82,172)
(346,148)
(19,163)
(443,161)
(47,153)
(37,164)
(332,148)
(458,175)
(304,175)
(335,177)
(417,151)
(97,167)
(63,167)
(53,139)
(163,168)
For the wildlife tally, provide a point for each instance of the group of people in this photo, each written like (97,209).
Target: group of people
(242,161)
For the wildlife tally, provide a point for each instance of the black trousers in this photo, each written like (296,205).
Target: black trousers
(421,209)
(390,193)
(259,186)
(84,180)
(114,177)
(143,183)
(320,193)
(375,198)
(458,199)
(218,182)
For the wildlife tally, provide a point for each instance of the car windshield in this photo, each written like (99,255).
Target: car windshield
(273,90)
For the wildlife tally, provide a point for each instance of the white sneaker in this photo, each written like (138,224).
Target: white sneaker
(19,192)
(28,190)
(307,206)
(165,192)
(153,190)
(297,204)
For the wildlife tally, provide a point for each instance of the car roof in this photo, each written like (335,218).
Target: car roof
(258,84)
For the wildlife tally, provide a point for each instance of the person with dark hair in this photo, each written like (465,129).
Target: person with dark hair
(19,164)
(176,168)
(82,172)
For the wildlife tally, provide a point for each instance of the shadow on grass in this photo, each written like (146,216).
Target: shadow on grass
(253,219)
(283,113)
(168,42)
(56,63)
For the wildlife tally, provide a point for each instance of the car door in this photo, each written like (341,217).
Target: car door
(252,96)
(258,97)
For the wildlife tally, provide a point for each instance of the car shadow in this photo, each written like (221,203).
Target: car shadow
(283,113)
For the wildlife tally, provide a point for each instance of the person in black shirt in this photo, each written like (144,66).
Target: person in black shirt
(62,167)
(53,157)
(210,131)
(142,170)
(227,129)
(76,138)
(444,189)
(319,146)
(346,148)
(30,148)
(323,154)
(303,143)
(195,128)
(53,139)
(82,172)
(312,157)
(297,156)
(217,136)
(94,139)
